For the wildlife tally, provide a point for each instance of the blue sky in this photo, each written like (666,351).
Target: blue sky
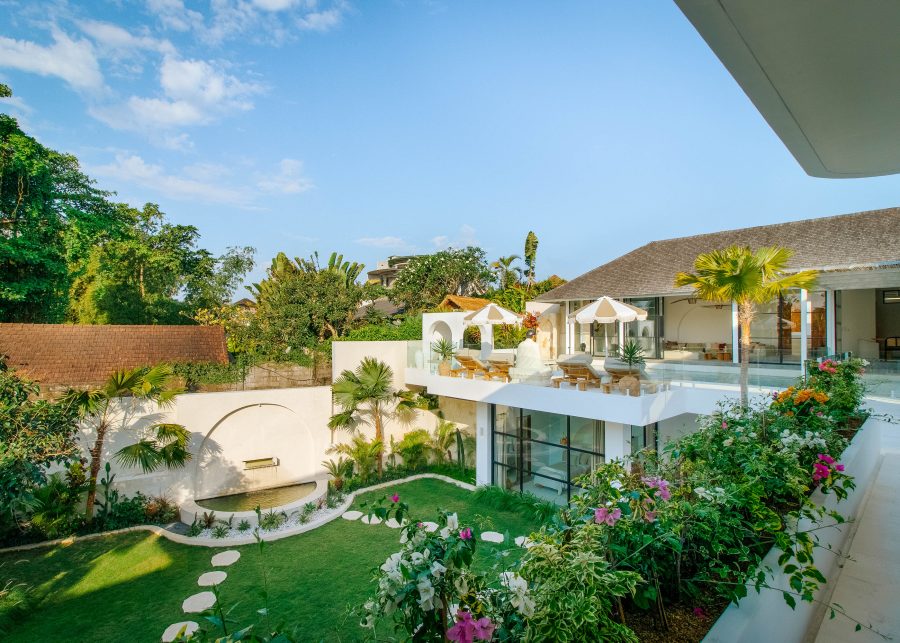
(385,127)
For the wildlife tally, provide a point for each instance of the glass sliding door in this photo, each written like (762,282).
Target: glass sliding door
(649,332)
(775,332)
(542,453)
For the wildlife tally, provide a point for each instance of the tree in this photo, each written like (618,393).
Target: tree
(154,274)
(51,215)
(427,279)
(115,405)
(531,246)
(366,396)
(747,278)
(34,434)
(506,272)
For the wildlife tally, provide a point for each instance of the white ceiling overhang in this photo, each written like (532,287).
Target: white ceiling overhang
(825,74)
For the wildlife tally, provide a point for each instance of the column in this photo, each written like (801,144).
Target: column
(830,321)
(487,340)
(570,330)
(616,440)
(482,443)
(804,328)
(735,334)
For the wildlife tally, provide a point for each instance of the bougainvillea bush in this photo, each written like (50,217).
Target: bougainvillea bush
(687,527)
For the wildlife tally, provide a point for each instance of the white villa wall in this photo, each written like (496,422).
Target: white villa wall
(671,429)
(696,323)
(858,323)
(228,428)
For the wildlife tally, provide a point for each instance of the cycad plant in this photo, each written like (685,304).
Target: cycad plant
(339,470)
(367,396)
(747,278)
(632,354)
(364,455)
(114,406)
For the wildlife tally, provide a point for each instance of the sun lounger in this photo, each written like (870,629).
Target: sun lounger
(500,364)
(580,375)
(470,367)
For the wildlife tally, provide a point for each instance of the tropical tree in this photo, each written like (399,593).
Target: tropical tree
(506,272)
(366,396)
(427,279)
(747,278)
(364,455)
(442,441)
(531,246)
(115,405)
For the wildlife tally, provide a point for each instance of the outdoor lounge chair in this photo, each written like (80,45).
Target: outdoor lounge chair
(580,375)
(500,364)
(471,366)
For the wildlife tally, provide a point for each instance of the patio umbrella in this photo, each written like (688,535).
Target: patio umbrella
(492,314)
(607,310)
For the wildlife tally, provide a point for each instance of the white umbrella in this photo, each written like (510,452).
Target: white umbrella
(607,310)
(491,314)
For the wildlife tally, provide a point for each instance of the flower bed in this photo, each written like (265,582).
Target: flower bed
(653,543)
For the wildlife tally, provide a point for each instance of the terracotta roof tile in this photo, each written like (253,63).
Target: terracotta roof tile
(70,355)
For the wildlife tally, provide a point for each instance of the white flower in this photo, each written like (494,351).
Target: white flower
(445,532)
(728,442)
(461,585)
(452,522)
(518,587)
(437,569)
(426,594)
(392,564)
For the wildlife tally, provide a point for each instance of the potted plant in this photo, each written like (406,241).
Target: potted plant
(443,348)
(632,354)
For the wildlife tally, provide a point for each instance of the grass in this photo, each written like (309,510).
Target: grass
(130,587)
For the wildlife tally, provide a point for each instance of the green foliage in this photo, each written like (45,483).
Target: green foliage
(632,353)
(364,454)
(34,434)
(531,246)
(55,509)
(409,328)
(244,526)
(339,470)
(414,448)
(272,520)
(196,374)
(524,503)
(443,348)
(507,273)
(427,279)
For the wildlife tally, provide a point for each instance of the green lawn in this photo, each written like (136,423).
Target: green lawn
(130,587)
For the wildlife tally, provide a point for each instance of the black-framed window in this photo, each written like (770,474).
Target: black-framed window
(543,452)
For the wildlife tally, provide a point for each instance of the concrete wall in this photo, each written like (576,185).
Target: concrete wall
(671,429)
(858,323)
(700,322)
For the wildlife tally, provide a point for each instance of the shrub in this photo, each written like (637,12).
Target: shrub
(409,329)
(515,501)
(414,448)
(159,509)
(244,526)
(220,531)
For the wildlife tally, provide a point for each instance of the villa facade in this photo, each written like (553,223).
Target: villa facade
(539,438)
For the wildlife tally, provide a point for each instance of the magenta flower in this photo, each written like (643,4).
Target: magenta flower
(467,630)
(395,498)
(827,459)
(699,613)
(465,533)
(838,467)
(602,515)
(820,472)
(724,424)
(661,486)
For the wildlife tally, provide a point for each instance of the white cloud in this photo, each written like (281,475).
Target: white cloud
(288,180)
(465,237)
(116,40)
(74,61)
(174,15)
(178,142)
(321,20)
(382,242)
(195,92)
(274,5)
(132,169)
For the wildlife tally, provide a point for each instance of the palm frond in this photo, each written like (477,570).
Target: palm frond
(144,454)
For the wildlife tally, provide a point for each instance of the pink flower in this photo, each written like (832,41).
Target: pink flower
(724,424)
(395,498)
(466,629)
(465,533)
(602,515)
(650,516)
(827,459)
(699,613)
(661,486)
(820,472)
(838,467)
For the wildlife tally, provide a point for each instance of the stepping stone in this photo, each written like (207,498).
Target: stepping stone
(211,578)
(392,523)
(492,536)
(226,558)
(172,631)
(371,520)
(351,515)
(430,526)
(198,602)
(524,541)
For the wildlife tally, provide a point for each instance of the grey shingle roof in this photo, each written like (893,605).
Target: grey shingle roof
(828,243)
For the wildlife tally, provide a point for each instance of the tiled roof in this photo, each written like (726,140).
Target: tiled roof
(458,302)
(829,243)
(70,355)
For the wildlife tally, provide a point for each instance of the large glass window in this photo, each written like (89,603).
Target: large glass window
(543,453)
(776,328)
(649,332)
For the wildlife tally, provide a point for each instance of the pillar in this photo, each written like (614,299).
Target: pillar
(804,327)
(735,334)
(483,445)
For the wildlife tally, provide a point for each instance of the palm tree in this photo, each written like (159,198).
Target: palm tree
(531,246)
(442,441)
(114,405)
(747,278)
(506,271)
(367,396)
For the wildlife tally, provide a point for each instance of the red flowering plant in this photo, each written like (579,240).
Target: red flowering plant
(842,381)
